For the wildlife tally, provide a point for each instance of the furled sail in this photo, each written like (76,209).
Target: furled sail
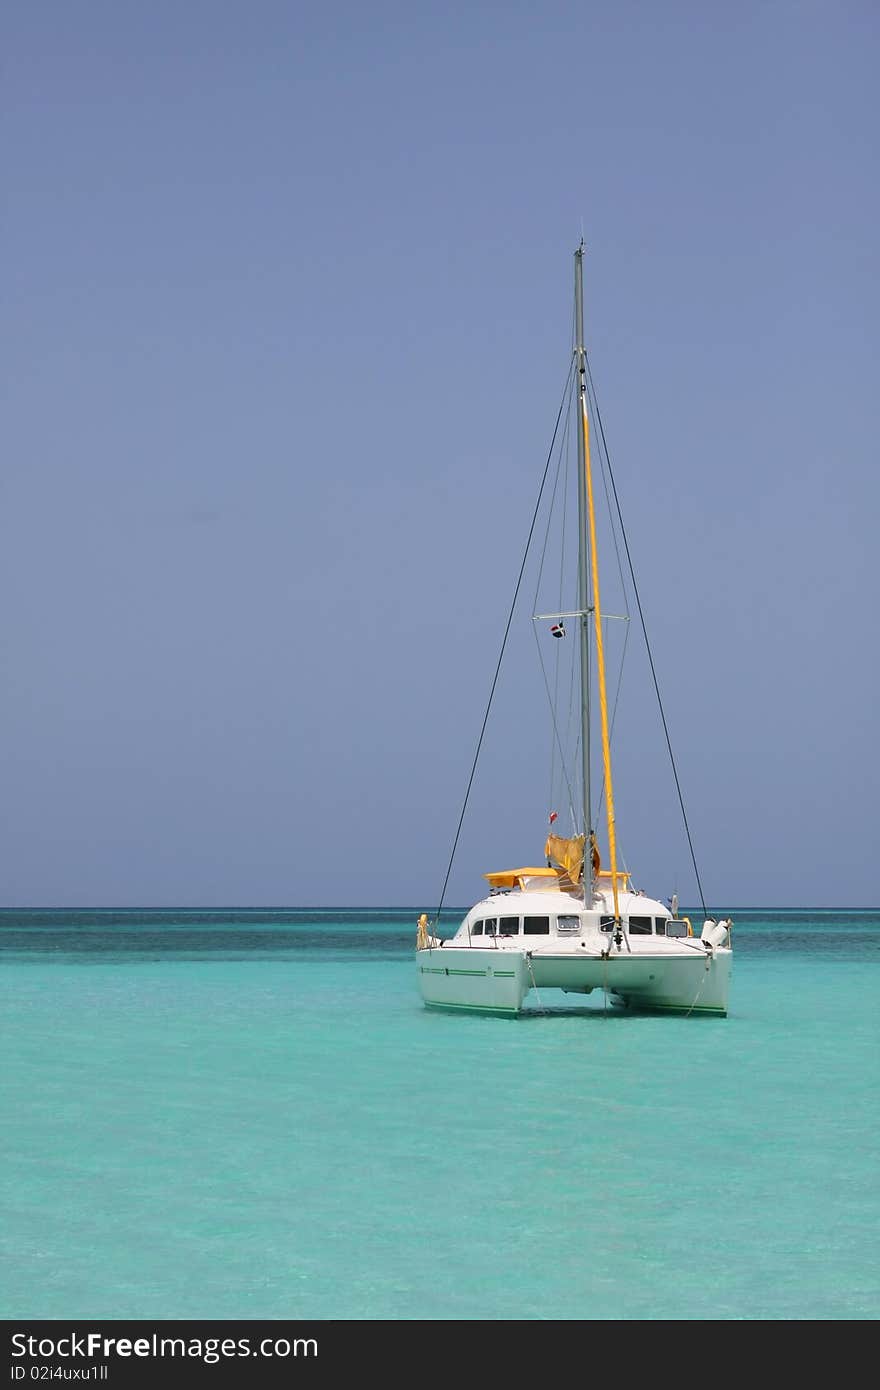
(567,854)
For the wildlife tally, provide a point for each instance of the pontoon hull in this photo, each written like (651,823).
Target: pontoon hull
(489,981)
(697,981)
(498,982)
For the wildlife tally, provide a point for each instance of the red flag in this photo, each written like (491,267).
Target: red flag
(554,815)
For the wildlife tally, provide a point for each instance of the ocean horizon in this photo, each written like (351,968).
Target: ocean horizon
(246,1112)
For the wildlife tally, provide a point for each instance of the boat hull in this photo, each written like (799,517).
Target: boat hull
(498,981)
(485,981)
(695,982)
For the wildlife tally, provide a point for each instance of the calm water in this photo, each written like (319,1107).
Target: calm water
(249,1114)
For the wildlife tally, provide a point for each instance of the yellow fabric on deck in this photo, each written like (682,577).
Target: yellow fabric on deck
(568,854)
(510,878)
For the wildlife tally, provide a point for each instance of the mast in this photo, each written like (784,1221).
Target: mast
(583,580)
(587,519)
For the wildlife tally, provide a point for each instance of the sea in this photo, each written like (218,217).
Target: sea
(249,1114)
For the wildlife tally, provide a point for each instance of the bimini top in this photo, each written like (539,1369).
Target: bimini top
(547,878)
(522,878)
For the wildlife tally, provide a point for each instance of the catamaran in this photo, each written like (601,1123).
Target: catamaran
(570,923)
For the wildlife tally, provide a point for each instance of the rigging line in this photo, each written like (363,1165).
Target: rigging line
(550,700)
(614,709)
(562,455)
(603,461)
(566,452)
(504,642)
(552,505)
(576,752)
(632,575)
(559,667)
(575,816)
(603,464)
(565,457)
(534,986)
(623,583)
(554,738)
(700,990)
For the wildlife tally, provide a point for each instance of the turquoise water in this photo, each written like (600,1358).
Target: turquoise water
(249,1114)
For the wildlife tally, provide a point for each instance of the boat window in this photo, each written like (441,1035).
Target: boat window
(568,926)
(606,923)
(536,926)
(676,928)
(477,929)
(640,926)
(660,926)
(508,926)
(490,926)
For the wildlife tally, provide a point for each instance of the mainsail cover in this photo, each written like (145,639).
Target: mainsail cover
(567,854)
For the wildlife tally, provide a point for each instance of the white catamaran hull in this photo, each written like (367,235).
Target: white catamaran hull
(498,981)
(467,979)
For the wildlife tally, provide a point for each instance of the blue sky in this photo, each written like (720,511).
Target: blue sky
(287,298)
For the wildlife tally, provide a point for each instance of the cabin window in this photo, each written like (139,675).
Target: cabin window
(477,929)
(640,926)
(676,928)
(568,926)
(536,926)
(490,926)
(508,926)
(660,926)
(607,923)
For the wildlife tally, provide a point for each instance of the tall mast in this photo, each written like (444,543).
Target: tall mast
(583,571)
(587,517)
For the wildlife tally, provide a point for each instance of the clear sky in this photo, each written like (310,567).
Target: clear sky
(287,303)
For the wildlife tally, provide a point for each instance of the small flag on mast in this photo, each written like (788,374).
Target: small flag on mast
(554,815)
(558,629)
